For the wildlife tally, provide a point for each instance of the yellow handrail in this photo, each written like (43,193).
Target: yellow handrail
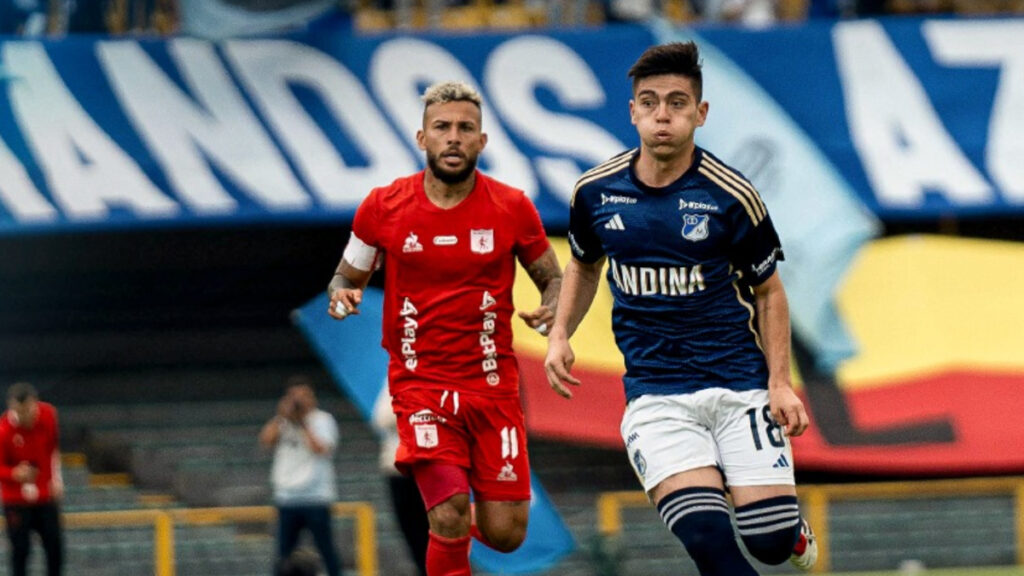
(817,498)
(164,520)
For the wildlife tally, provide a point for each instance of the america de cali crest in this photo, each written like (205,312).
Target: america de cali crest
(695,227)
(481,241)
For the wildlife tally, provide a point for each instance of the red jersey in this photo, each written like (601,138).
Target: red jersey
(37,446)
(448,281)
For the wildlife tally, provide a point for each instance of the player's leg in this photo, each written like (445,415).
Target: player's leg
(445,491)
(19,533)
(500,472)
(318,521)
(50,534)
(434,448)
(501,525)
(289,527)
(757,460)
(674,457)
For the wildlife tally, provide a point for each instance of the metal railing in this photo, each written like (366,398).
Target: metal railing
(163,522)
(815,500)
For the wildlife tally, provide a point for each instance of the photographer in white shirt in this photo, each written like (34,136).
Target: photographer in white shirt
(303,438)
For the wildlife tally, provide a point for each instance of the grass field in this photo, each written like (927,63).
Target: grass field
(1007,571)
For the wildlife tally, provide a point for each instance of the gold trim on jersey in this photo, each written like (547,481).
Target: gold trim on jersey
(736,186)
(745,304)
(610,166)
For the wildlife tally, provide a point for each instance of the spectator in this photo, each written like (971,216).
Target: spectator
(302,562)
(753,13)
(30,478)
(304,438)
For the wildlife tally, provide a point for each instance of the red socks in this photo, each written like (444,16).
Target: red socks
(448,556)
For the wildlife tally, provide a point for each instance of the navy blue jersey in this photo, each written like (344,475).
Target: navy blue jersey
(682,261)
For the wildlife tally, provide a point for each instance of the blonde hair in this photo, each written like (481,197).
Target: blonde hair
(444,92)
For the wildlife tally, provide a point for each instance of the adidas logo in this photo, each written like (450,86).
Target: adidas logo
(782,462)
(615,223)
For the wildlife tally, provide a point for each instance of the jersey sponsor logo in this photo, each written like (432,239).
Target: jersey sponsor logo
(615,223)
(489,348)
(695,227)
(409,327)
(412,243)
(633,437)
(481,241)
(445,240)
(488,300)
(613,199)
(649,280)
(426,416)
(576,249)
(692,205)
(767,262)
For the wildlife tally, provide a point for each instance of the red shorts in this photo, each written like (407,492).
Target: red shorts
(483,434)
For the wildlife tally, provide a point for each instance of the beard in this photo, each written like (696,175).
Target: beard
(449,176)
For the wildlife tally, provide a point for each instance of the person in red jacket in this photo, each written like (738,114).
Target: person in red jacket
(30,477)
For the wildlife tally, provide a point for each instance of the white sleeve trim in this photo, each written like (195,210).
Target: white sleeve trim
(359,254)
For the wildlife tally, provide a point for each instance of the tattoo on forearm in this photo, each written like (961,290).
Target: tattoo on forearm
(547,276)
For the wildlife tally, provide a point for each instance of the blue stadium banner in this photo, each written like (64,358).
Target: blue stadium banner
(918,118)
(352,354)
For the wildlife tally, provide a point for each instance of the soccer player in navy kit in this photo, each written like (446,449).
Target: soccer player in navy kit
(702,320)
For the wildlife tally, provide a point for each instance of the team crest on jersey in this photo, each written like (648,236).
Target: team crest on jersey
(481,241)
(695,227)
(640,463)
(412,243)
(426,435)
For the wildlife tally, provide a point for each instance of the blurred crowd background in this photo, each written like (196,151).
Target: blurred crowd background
(210,18)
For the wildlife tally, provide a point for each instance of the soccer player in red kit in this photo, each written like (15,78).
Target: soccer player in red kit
(30,477)
(448,238)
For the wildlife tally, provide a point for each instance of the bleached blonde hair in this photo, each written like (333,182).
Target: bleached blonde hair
(443,92)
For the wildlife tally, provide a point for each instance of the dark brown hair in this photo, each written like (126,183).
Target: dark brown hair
(680,58)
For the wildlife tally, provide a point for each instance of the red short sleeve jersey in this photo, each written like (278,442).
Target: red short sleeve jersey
(35,445)
(448,281)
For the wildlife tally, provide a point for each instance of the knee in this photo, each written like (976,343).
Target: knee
(706,535)
(772,548)
(770,528)
(507,539)
(449,518)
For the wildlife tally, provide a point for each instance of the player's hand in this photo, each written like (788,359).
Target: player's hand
(24,472)
(788,410)
(345,302)
(540,319)
(56,489)
(557,365)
